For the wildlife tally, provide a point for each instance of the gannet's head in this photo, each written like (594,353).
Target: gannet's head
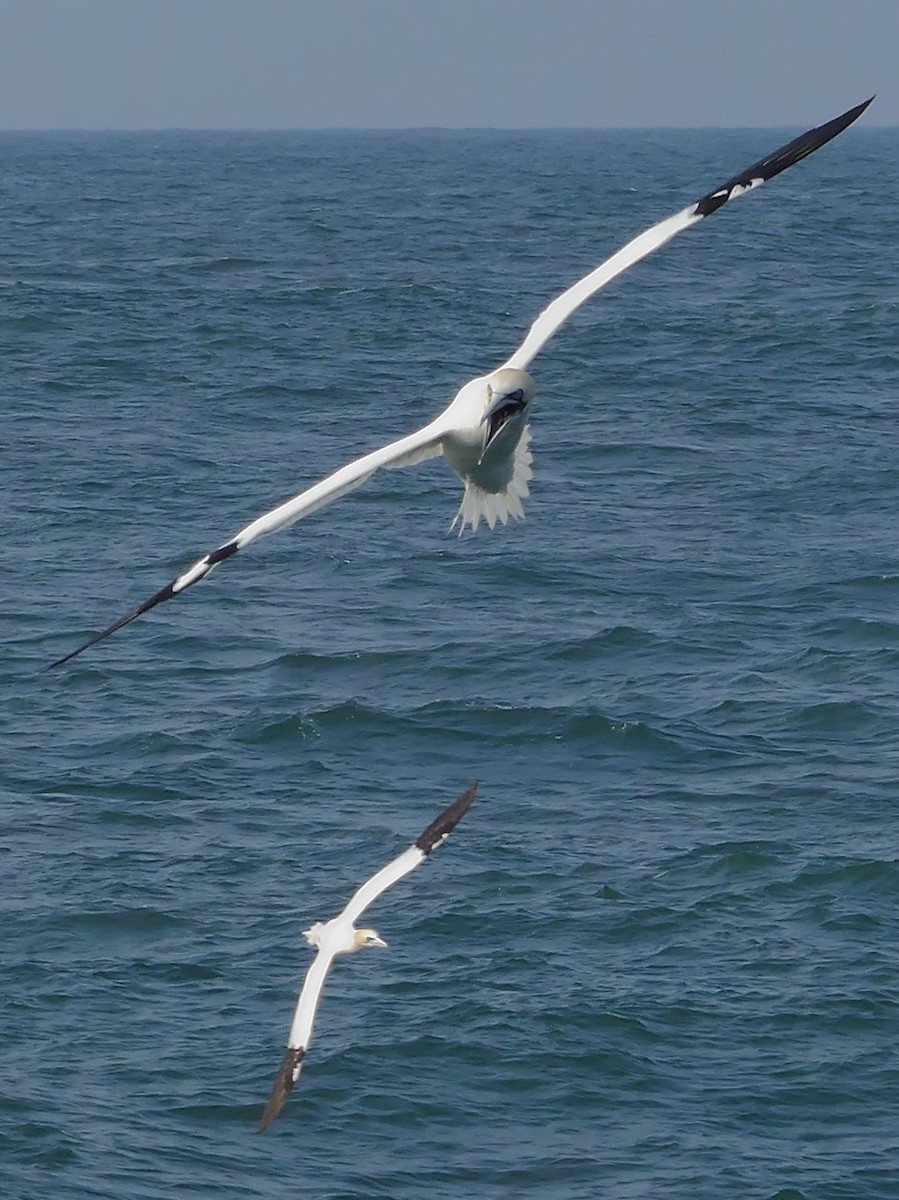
(367,937)
(509,392)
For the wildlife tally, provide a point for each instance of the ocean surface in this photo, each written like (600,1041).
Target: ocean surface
(660,955)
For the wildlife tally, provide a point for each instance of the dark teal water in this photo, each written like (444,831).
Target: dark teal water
(659,958)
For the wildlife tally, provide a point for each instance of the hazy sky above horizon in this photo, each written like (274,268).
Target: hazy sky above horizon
(303,64)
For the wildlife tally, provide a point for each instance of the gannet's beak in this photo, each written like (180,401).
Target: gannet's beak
(496,402)
(503,406)
(377,941)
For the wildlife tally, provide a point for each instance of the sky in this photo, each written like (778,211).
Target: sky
(309,64)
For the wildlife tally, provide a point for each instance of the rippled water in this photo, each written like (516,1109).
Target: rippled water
(659,956)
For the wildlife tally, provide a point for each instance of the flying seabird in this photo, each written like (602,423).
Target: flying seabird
(340,936)
(483,434)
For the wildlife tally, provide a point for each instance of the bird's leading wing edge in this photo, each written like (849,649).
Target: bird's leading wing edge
(412,856)
(559,310)
(299,1037)
(313,985)
(424,443)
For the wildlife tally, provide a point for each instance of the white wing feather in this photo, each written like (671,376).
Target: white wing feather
(395,870)
(424,443)
(330,939)
(379,883)
(429,441)
(307,1004)
(557,313)
(362,898)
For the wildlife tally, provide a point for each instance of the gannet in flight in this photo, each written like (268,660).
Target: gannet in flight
(483,434)
(340,936)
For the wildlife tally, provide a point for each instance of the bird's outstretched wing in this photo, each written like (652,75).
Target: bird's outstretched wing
(300,1036)
(307,1005)
(424,443)
(411,858)
(559,310)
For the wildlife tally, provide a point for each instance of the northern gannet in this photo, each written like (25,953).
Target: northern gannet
(483,434)
(340,936)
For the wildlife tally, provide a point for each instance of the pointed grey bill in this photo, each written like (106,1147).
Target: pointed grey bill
(498,415)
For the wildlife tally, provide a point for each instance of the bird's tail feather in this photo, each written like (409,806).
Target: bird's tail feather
(478,505)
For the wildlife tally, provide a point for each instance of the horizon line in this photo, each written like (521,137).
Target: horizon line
(266,129)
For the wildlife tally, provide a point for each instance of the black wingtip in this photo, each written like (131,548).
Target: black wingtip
(187,579)
(163,594)
(779,160)
(282,1086)
(447,821)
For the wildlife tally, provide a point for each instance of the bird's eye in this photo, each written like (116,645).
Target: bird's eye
(517,395)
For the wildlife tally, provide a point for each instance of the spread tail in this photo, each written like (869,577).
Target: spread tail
(478,505)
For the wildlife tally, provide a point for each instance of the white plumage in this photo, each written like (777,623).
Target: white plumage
(483,434)
(340,936)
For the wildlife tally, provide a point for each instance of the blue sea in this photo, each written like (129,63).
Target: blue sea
(659,956)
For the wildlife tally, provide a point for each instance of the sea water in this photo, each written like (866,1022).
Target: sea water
(658,958)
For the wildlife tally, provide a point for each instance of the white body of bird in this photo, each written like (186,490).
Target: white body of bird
(340,936)
(483,433)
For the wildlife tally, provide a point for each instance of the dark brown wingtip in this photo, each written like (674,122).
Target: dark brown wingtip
(447,821)
(282,1086)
